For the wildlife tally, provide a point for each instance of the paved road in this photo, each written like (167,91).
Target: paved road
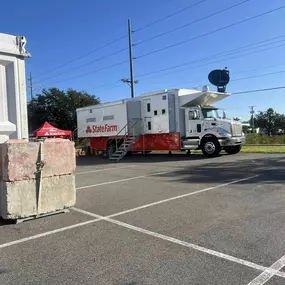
(159,220)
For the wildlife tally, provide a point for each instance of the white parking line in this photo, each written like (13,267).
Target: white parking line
(118,214)
(47,233)
(181,196)
(103,169)
(186,244)
(269,272)
(122,180)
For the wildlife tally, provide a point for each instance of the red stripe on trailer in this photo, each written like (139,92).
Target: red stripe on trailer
(170,141)
(99,143)
(148,142)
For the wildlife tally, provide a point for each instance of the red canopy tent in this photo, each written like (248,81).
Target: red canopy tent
(48,130)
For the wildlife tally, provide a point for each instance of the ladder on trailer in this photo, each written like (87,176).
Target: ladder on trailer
(129,138)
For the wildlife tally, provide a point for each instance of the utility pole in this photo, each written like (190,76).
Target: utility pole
(252,117)
(30,79)
(32,97)
(131,60)
(31,86)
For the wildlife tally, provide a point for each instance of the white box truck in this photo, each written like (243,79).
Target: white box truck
(176,119)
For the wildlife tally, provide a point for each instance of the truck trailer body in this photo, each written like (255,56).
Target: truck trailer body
(176,119)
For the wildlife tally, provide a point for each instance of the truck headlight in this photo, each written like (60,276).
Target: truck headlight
(223,134)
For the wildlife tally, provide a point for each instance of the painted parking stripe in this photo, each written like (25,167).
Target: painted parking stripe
(117,214)
(185,244)
(103,169)
(181,196)
(47,233)
(269,272)
(122,180)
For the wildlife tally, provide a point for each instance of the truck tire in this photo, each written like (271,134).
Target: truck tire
(210,147)
(233,149)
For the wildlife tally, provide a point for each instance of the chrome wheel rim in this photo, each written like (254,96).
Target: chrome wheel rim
(210,147)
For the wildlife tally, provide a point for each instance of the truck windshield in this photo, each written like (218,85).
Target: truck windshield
(221,114)
(210,113)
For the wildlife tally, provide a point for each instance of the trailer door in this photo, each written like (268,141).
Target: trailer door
(146,114)
(134,117)
(171,111)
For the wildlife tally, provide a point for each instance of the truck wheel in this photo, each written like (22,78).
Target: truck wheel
(233,149)
(210,147)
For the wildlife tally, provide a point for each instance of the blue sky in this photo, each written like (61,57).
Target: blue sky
(60,31)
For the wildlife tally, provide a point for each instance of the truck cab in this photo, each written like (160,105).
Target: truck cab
(208,129)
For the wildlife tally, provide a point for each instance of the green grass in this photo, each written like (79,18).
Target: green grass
(263,149)
(257,149)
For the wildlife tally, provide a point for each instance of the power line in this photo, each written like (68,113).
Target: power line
(82,56)
(226,53)
(198,83)
(244,78)
(94,71)
(83,65)
(259,90)
(113,87)
(170,15)
(254,52)
(212,32)
(217,61)
(260,75)
(120,38)
(258,68)
(249,77)
(242,92)
(115,40)
(191,23)
(217,55)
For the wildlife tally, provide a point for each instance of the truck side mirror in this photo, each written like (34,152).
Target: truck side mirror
(193,115)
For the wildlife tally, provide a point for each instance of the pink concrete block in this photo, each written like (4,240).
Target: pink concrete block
(19,159)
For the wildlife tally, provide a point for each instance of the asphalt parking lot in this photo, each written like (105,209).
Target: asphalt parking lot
(159,220)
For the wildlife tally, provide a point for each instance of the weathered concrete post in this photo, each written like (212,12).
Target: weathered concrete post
(13,103)
(36,178)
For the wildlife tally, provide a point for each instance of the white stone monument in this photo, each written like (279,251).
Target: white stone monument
(13,102)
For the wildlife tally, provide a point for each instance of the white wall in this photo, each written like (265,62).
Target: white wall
(13,104)
(159,122)
(103,120)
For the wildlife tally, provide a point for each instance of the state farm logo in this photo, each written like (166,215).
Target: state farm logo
(101,129)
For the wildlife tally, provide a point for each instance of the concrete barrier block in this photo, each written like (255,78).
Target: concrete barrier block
(59,157)
(18,199)
(19,159)
(1,162)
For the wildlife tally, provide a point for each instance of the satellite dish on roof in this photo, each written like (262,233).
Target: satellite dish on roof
(220,78)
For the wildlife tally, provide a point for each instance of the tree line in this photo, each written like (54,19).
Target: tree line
(269,121)
(58,107)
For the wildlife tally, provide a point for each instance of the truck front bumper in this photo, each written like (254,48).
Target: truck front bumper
(232,141)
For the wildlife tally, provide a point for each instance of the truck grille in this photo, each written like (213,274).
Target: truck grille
(236,130)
